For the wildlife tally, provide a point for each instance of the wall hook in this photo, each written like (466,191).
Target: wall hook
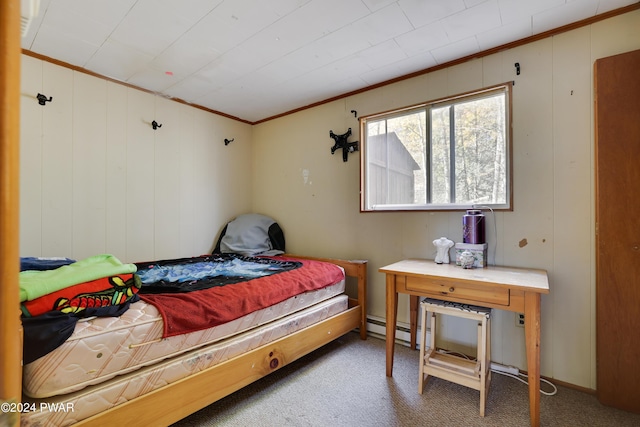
(517,65)
(355,113)
(341,142)
(42,99)
(155,125)
(228,141)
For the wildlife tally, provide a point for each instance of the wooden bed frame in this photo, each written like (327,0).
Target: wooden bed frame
(178,400)
(172,402)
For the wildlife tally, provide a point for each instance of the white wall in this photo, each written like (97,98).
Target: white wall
(553,188)
(96,178)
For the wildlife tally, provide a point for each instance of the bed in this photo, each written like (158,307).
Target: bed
(144,366)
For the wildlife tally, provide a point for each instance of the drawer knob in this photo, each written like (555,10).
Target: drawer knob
(451,289)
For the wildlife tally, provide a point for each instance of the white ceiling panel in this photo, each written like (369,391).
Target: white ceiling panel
(382,54)
(61,46)
(254,59)
(607,5)
(151,26)
(374,5)
(78,24)
(472,3)
(390,71)
(514,30)
(382,25)
(339,71)
(459,49)
(422,12)
(289,67)
(332,48)
(233,22)
(107,13)
(191,89)
(154,80)
(512,10)
(475,20)
(553,18)
(304,26)
(219,73)
(185,57)
(220,33)
(118,61)
(424,39)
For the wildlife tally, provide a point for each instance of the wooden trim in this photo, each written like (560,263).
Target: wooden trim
(505,87)
(506,46)
(10,327)
(129,85)
(557,382)
(487,52)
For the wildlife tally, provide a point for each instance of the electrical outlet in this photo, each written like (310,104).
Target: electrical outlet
(497,367)
(520,320)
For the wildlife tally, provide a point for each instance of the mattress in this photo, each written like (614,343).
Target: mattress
(68,409)
(102,348)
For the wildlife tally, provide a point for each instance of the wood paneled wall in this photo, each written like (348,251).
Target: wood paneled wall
(97,178)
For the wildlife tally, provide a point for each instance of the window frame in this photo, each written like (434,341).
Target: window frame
(507,88)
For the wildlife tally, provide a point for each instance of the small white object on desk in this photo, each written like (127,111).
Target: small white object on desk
(467,259)
(442,250)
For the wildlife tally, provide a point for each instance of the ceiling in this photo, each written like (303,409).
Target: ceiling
(255,59)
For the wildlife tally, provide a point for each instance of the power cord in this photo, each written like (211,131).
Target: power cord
(517,377)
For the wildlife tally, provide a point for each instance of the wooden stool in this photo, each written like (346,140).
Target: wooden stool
(475,374)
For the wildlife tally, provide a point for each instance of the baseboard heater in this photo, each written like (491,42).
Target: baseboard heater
(377,327)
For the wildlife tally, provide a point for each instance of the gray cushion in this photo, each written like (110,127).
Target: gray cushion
(248,234)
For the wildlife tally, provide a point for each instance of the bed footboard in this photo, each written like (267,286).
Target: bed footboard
(356,269)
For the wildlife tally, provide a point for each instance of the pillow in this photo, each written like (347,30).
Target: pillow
(251,234)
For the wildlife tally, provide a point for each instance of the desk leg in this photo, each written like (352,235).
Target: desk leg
(532,334)
(392,314)
(413,319)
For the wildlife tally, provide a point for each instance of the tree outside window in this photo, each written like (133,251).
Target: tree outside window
(444,155)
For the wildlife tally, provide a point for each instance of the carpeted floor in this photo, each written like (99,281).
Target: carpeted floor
(344,384)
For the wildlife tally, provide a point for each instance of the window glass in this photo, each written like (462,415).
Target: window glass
(449,154)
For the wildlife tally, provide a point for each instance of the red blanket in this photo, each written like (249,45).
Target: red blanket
(106,291)
(187,312)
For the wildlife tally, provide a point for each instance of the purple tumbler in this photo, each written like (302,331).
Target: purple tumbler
(473,227)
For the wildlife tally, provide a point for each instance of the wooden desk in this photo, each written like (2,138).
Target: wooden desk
(512,289)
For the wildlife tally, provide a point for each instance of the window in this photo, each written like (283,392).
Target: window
(443,155)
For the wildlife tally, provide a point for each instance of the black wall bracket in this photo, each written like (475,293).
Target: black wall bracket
(341,142)
(42,99)
(155,125)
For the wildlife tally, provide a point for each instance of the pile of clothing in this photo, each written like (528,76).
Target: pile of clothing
(56,292)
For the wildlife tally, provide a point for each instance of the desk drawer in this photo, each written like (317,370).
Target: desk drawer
(435,288)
